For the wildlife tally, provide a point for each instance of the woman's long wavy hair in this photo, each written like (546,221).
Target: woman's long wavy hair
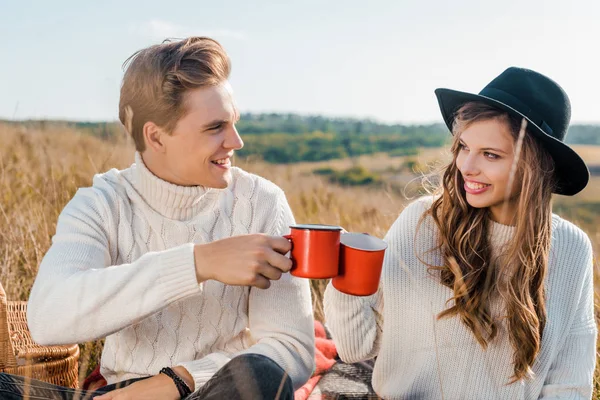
(468,268)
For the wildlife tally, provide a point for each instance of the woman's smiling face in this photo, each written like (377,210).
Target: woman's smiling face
(485,158)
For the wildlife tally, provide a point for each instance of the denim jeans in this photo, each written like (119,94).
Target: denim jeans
(246,377)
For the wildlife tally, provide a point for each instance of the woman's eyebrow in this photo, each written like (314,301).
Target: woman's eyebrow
(494,149)
(486,148)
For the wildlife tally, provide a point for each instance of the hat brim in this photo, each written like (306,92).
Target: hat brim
(571,172)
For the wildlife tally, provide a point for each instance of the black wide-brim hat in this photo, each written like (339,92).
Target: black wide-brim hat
(544,104)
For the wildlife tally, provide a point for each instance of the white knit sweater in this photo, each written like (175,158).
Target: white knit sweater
(421,357)
(121,266)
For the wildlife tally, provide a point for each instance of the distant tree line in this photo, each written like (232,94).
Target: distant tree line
(584,134)
(353,176)
(289,138)
(283,148)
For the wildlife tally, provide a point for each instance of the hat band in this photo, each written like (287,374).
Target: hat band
(513,102)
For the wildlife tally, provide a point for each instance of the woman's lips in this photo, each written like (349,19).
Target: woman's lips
(472,187)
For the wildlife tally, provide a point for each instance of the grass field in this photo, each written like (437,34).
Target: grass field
(41,170)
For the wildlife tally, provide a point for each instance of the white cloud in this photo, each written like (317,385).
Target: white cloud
(159,29)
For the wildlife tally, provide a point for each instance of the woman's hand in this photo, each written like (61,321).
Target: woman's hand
(157,387)
(247,260)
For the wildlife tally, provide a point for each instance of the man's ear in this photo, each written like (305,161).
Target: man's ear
(153,136)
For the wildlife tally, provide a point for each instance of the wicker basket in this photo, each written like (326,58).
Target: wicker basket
(19,355)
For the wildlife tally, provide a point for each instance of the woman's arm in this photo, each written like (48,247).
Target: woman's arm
(357,323)
(571,373)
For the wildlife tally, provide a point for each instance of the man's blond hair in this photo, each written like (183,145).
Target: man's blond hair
(157,78)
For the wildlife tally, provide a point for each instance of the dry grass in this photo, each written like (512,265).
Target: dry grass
(40,172)
(590,153)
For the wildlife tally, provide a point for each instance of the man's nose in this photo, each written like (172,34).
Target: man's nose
(233,139)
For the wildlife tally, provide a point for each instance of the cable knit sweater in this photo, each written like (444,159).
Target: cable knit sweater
(421,357)
(121,266)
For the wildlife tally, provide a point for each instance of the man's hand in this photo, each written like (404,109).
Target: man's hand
(248,260)
(157,387)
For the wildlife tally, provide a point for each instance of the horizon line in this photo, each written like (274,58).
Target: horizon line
(307,115)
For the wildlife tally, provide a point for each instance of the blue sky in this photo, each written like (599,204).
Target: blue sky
(381,60)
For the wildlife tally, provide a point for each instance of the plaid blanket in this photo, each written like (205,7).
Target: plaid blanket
(345,381)
(339,380)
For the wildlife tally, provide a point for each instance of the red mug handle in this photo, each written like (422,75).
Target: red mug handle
(289,237)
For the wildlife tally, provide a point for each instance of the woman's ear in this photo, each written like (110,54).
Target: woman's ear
(154,136)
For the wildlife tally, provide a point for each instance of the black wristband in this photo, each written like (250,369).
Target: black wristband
(182,387)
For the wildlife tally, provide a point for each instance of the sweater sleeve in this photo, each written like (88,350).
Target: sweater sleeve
(571,373)
(356,323)
(80,295)
(280,321)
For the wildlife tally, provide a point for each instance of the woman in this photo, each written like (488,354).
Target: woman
(485,293)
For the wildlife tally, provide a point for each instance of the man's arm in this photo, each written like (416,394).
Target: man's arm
(280,321)
(79,295)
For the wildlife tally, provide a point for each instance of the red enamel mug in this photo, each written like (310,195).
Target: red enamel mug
(315,250)
(361,261)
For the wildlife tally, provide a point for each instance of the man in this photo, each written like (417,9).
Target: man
(178,260)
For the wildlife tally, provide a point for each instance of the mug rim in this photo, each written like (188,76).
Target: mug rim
(383,243)
(316,227)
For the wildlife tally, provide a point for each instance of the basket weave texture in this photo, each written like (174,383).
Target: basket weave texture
(20,355)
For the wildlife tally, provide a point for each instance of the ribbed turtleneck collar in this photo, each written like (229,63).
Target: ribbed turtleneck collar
(170,200)
(499,236)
